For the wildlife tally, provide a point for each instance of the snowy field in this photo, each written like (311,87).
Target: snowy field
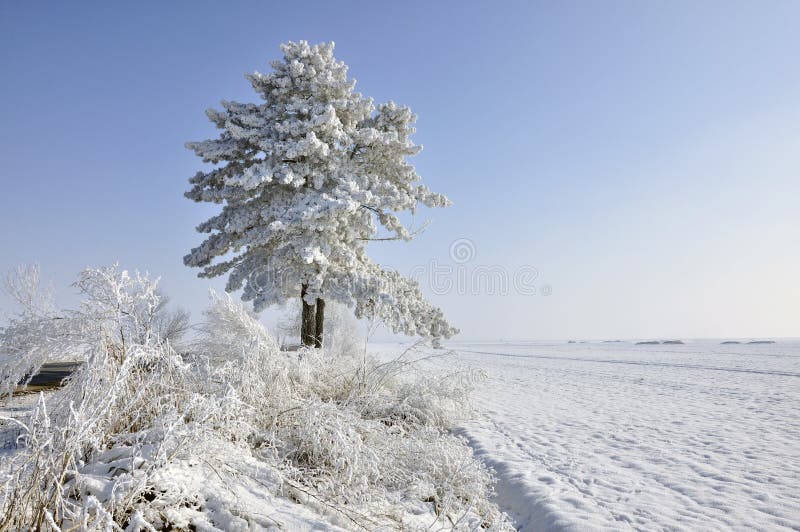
(616,436)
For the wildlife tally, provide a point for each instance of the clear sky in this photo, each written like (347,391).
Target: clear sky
(644,157)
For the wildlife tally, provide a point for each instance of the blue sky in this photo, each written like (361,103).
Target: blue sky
(642,156)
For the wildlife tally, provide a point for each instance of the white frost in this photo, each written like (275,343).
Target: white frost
(306,178)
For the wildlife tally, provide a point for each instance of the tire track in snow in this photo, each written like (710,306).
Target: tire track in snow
(639,363)
(514,494)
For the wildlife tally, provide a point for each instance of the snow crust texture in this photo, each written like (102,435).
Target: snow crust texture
(699,436)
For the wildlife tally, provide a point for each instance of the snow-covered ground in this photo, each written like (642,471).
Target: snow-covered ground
(616,436)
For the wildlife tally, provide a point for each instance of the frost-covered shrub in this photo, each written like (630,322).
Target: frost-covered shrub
(87,453)
(357,431)
(35,335)
(118,309)
(142,438)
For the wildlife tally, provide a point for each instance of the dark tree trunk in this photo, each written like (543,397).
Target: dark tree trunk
(308,326)
(320,322)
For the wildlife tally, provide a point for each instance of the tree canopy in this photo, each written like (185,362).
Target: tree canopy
(306,178)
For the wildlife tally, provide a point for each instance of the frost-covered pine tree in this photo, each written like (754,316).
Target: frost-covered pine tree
(306,179)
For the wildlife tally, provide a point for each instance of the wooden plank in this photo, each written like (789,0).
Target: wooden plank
(49,376)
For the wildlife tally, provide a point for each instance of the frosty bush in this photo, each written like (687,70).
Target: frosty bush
(142,438)
(86,453)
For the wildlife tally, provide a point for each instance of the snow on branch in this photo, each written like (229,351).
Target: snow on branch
(306,178)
